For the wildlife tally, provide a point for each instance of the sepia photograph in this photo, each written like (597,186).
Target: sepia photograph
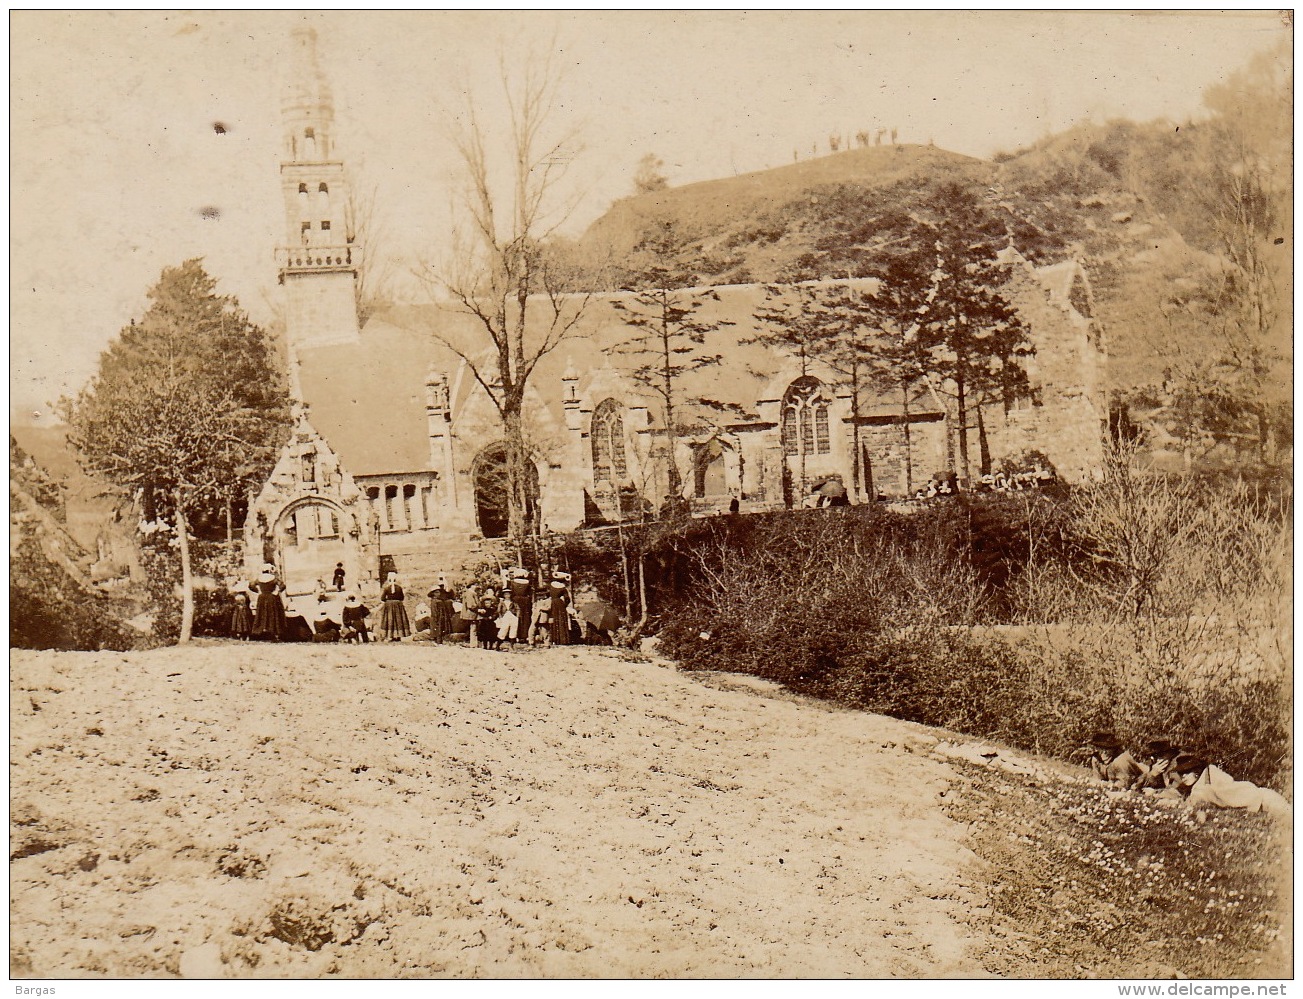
(651,495)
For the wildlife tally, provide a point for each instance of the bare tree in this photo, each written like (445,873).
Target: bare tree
(502,271)
(365,233)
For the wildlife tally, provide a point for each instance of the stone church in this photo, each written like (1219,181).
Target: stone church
(397,453)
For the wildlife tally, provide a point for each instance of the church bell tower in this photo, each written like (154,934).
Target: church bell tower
(319,259)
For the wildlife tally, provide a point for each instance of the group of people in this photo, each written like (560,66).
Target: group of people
(493,612)
(259,613)
(1159,766)
(488,613)
(1175,775)
(1008,482)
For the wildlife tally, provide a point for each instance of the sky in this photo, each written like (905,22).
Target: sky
(115,167)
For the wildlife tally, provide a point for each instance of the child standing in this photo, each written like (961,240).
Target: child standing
(486,627)
(241,616)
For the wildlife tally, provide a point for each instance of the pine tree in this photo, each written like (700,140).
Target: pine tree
(669,335)
(969,339)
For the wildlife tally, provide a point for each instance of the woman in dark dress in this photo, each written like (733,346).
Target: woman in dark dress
(393,623)
(522,595)
(559,612)
(241,616)
(269,613)
(440,611)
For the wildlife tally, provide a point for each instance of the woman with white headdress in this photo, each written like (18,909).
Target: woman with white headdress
(559,612)
(269,614)
(392,624)
(440,610)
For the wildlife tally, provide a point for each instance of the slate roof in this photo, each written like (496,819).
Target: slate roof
(368,398)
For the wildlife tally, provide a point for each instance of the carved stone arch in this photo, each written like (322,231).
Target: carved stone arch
(306,550)
(490,490)
(312,500)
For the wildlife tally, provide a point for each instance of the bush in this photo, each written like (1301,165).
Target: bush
(49,610)
(1152,606)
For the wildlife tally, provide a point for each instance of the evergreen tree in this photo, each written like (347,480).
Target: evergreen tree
(970,338)
(832,323)
(669,335)
(186,409)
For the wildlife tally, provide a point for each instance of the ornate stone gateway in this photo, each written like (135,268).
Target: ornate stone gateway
(311,515)
(311,535)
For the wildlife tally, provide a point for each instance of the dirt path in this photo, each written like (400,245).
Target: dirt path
(410,811)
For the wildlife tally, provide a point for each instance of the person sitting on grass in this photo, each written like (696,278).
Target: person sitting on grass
(355,615)
(1156,760)
(324,627)
(1182,775)
(1111,761)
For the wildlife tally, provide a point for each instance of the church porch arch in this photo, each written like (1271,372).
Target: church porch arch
(309,535)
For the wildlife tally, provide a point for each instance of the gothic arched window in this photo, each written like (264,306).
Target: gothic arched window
(805,418)
(610,463)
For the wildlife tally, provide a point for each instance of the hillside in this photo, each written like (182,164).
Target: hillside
(763,226)
(1115,197)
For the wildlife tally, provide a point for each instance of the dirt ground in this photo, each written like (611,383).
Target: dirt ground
(417,811)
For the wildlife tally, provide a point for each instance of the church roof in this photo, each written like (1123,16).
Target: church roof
(368,398)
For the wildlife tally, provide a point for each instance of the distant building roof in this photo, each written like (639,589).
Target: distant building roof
(368,398)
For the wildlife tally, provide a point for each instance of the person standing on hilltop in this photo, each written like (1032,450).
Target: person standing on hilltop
(269,613)
(392,623)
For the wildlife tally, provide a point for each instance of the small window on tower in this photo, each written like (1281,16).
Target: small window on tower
(303,188)
(325,225)
(305,226)
(309,133)
(322,188)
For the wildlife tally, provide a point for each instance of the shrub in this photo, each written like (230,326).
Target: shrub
(1155,607)
(49,610)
